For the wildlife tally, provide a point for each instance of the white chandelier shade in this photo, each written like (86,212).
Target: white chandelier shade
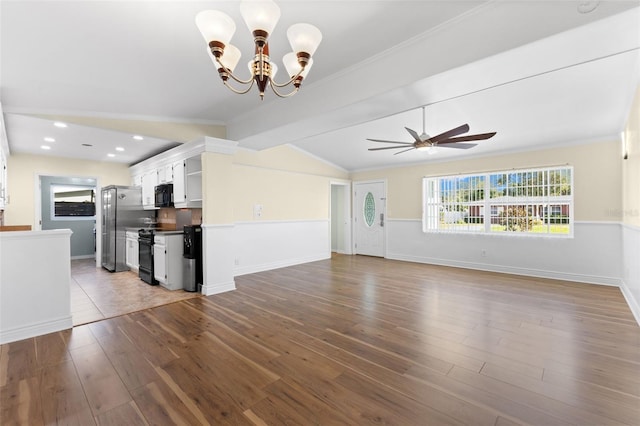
(261,17)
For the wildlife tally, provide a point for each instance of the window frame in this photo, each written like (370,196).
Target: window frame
(59,187)
(517,195)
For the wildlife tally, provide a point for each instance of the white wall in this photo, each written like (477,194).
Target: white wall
(261,246)
(593,255)
(35,273)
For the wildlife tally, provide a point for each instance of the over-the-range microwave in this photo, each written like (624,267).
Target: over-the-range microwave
(164,195)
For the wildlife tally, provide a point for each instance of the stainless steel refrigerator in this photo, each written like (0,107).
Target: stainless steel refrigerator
(121,209)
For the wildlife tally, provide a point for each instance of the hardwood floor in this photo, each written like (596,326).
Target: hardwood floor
(98,294)
(349,341)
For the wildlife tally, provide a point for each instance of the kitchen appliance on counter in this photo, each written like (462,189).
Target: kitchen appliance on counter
(145,256)
(121,209)
(192,258)
(164,195)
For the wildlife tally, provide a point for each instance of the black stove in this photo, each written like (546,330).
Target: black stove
(145,251)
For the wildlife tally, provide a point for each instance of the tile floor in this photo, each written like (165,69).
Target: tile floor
(97,294)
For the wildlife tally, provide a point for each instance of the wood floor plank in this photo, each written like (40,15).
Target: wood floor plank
(348,341)
(102,385)
(63,397)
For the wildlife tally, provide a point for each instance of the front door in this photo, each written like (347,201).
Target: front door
(369,218)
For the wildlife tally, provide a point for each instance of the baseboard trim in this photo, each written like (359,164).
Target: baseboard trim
(252,269)
(36,329)
(564,276)
(84,256)
(633,304)
(211,289)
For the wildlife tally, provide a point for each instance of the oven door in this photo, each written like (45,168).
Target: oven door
(145,258)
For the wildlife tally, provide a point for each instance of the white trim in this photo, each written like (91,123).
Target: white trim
(633,304)
(540,273)
(269,222)
(252,269)
(98,114)
(209,290)
(36,329)
(260,246)
(221,225)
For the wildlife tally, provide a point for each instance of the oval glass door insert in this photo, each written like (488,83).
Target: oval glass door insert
(369,209)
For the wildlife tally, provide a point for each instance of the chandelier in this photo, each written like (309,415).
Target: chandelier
(261,16)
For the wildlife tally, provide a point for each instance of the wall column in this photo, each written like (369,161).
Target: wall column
(218,217)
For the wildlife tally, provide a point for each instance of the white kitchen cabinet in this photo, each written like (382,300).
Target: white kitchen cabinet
(149,182)
(167,260)
(136,180)
(165,174)
(179,184)
(193,177)
(132,250)
(187,182)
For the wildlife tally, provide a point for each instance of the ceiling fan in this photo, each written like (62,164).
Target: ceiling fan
(426,142)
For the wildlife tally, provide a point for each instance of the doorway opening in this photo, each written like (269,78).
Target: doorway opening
(340,233)
(68,202)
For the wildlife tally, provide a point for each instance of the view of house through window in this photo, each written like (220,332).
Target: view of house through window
(73,201)
(534,201)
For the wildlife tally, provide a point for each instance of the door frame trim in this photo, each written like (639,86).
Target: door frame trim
(37,225)
(354,209)
(348,232)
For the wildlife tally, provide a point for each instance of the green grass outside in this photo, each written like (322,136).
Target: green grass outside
(537,229)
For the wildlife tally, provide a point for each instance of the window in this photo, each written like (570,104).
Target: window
(72,202)
(536,201)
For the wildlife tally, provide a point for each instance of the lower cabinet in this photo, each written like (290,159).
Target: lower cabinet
(167,260)
(131,251)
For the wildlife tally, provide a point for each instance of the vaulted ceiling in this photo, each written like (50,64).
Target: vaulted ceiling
(538,73)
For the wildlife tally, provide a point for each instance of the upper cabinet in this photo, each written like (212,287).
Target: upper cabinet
(181,166)
(187,182)
(149,182)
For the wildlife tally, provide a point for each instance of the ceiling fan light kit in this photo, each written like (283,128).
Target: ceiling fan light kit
(261,17)
(427,143)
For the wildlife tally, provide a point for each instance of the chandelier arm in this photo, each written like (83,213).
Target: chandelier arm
(273,83)
(273,87)
(230,73)
(239,92)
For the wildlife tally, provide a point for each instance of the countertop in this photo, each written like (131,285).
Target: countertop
(159,231)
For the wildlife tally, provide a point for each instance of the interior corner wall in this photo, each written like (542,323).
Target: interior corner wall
(281,203)
(22,171)
(592,255)
(630,211)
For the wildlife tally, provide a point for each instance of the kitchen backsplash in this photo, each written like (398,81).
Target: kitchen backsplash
(175,219)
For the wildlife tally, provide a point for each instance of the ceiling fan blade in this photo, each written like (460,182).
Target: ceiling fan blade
(414,134)
(458,145)
(386,141)
(478,137)
(450,133)
(388,147)
(400,152)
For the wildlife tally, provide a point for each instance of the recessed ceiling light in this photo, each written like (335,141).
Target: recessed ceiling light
(45,147)
(138,137)
(111,155)
(119,148)
(48,139)
(60,124)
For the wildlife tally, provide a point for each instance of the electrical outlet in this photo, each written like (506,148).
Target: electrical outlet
(483,253)
(237,261)
(257,211)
